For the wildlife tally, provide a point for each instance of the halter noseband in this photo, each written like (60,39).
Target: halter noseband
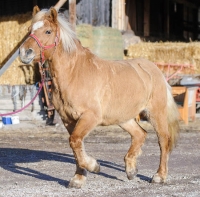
(44,47)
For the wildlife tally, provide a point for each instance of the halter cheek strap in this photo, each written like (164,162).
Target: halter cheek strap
(44,47)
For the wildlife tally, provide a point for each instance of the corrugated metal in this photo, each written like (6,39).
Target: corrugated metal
(94,12)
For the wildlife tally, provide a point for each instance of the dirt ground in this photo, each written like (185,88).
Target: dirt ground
(36,160)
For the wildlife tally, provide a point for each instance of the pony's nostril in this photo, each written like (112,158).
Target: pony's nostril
(29,52)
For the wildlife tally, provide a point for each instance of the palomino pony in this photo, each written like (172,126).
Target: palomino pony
(89,91)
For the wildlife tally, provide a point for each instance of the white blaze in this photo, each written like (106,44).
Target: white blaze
(37,25)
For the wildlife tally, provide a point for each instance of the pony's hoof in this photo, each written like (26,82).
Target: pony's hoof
(75,184)
(157,179)
(97,168)
(132,174)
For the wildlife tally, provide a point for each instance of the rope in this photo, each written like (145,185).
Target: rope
(19,110)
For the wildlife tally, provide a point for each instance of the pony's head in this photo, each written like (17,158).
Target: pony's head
(48,30)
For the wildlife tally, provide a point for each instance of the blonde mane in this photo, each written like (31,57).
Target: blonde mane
(67,35)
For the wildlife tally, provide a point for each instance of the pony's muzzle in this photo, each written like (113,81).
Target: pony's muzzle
(26,55)
(28,52)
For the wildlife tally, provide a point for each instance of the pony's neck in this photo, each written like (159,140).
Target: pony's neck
(78,52)
(63,60)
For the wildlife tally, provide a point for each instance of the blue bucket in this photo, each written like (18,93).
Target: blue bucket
(6,120)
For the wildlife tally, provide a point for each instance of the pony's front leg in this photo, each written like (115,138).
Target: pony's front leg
(84,125)
(79,178)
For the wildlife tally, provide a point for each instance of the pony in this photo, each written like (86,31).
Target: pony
(89,91)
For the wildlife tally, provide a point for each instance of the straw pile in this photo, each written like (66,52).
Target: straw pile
(12,31)
(173,53)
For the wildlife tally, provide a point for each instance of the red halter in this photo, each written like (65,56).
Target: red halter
(42,47)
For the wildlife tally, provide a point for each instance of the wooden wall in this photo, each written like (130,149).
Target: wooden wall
(157,19)
(94,12)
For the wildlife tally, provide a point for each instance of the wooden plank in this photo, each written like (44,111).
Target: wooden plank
(118,14)
(123,19)
(72,13)
(123,3)
(114,13)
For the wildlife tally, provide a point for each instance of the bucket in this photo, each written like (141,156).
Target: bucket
(1,124)
(15,119)
(6,120)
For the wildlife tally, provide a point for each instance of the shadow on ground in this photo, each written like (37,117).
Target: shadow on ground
(10,157)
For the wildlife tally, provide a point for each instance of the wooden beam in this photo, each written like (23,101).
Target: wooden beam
(114,14)
(118,14)
(123,4)
(72,13)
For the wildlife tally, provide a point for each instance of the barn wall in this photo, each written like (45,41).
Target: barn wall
(93,12)
(160,21)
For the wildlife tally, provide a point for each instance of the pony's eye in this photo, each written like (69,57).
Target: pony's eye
(48,32)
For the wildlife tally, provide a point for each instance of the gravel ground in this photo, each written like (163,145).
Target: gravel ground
(36,160)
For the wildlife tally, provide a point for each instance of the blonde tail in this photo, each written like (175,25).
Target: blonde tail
(172,117)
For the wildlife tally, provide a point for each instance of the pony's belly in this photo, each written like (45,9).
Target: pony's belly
(118,118)
(122,110)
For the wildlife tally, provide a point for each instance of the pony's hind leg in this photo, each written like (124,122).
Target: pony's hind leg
(138,136)
(84,162)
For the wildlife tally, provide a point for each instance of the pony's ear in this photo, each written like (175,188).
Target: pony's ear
(36,9)
(52,14)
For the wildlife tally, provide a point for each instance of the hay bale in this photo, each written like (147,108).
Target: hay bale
(140,50)
(163,53)
(108,43)
(105,42)
(12,30)
(85,35)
